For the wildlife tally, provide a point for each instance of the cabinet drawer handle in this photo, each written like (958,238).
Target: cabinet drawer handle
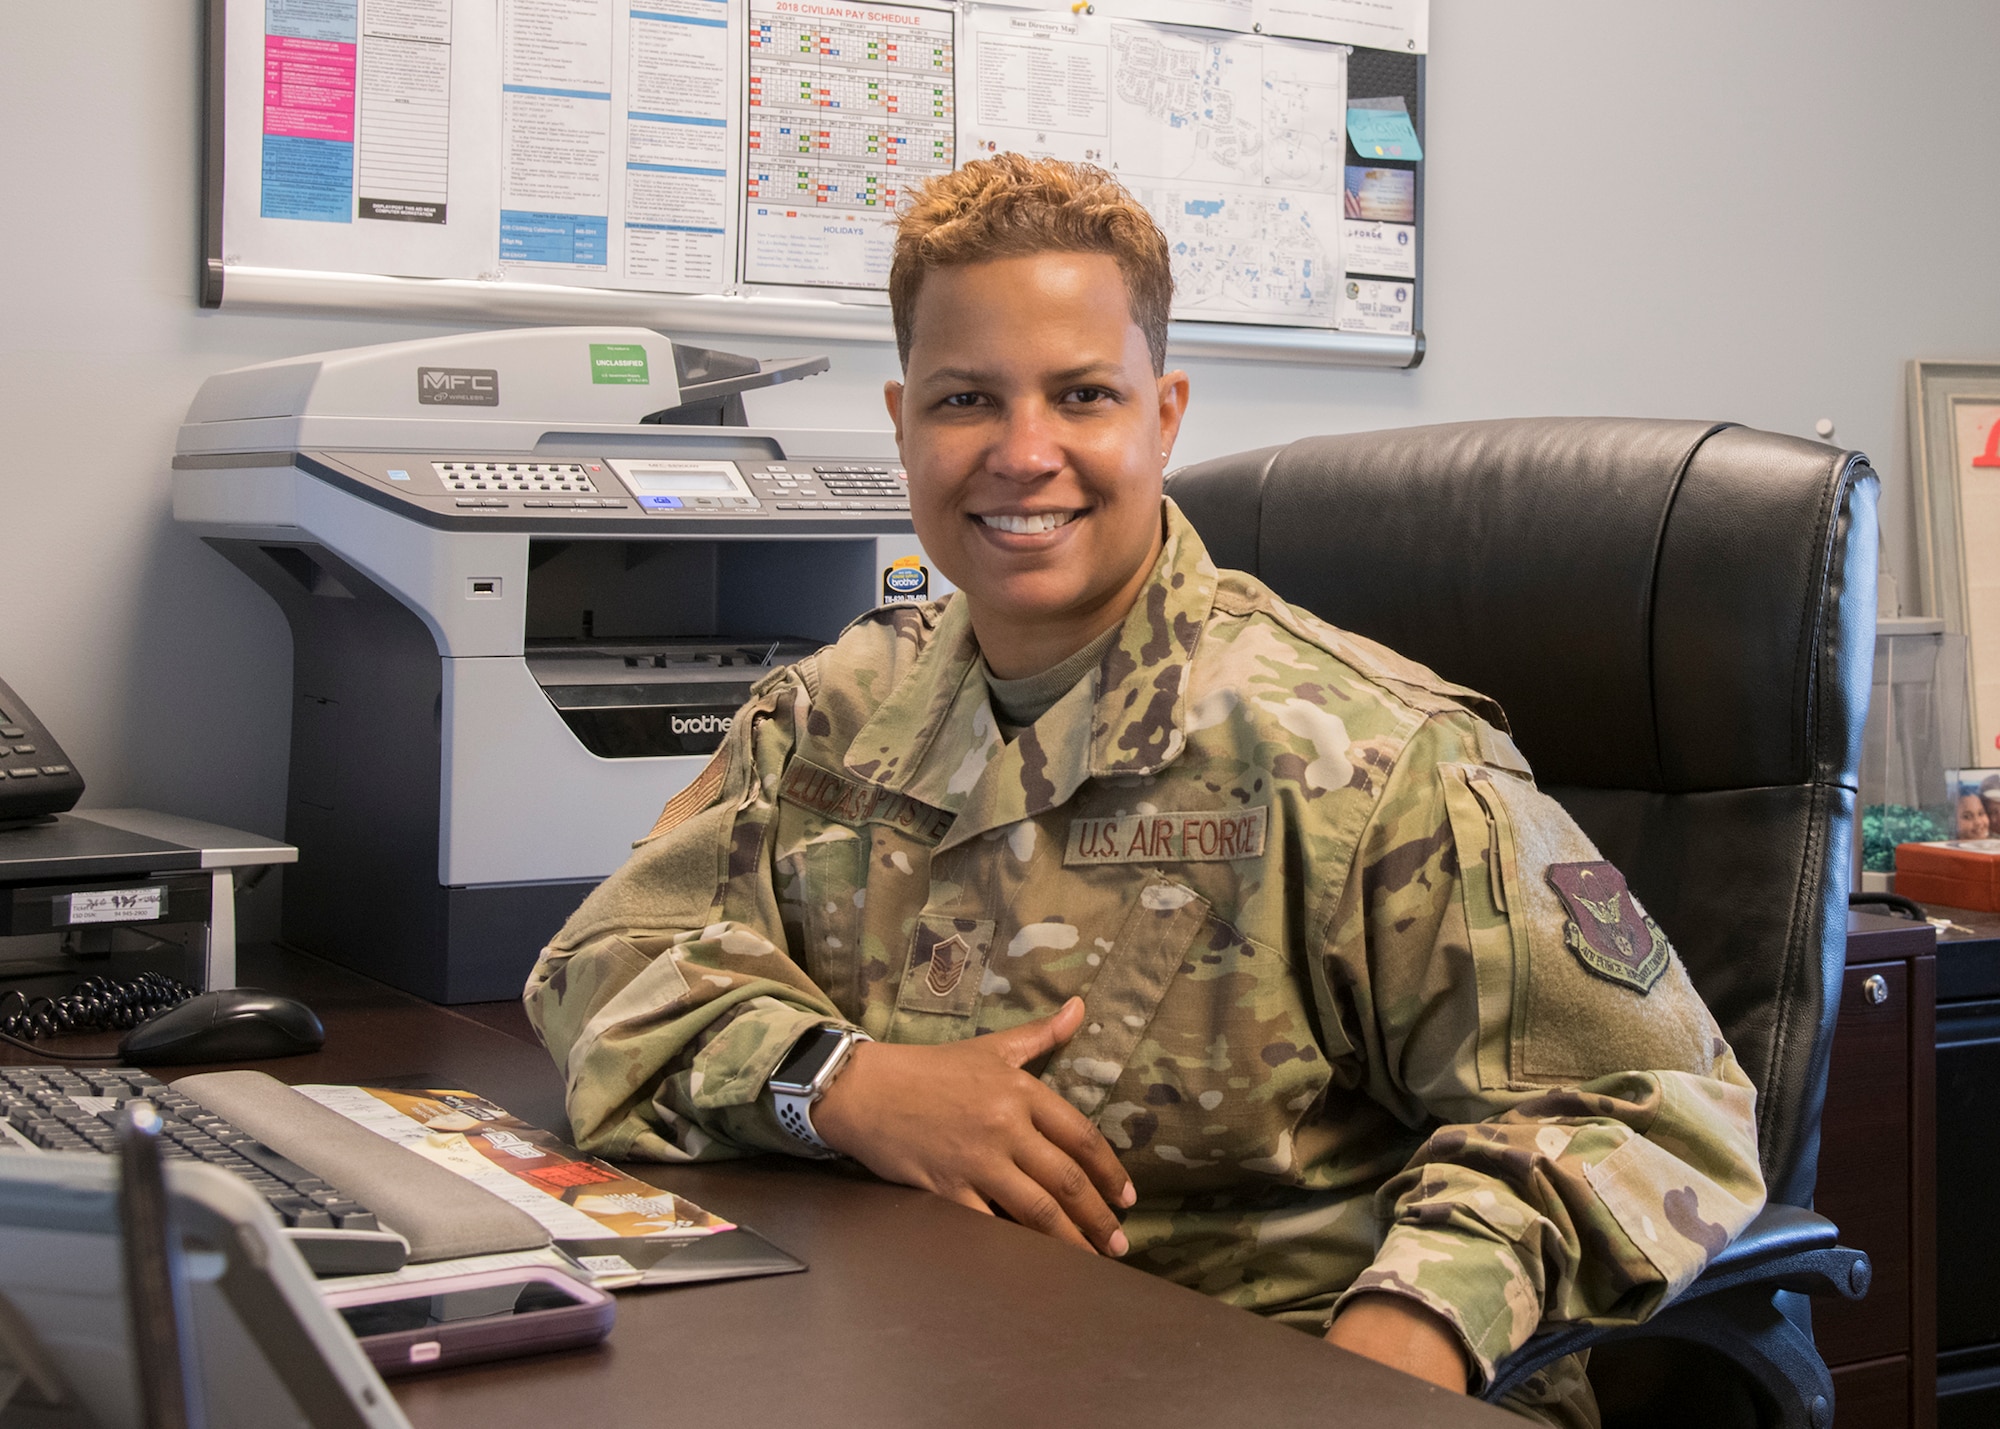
(1876,989)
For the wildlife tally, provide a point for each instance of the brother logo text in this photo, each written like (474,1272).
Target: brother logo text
(702,724)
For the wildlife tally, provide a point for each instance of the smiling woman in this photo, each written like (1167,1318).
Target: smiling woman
(1114,895)
(1036,434)
(1036,416)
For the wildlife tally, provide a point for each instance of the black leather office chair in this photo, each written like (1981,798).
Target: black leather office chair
(1678,618)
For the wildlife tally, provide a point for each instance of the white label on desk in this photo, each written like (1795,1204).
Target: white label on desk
(117,905)
(607,1265)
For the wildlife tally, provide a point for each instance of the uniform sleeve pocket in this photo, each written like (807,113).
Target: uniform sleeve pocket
(1678,1218)
(1576,981)
(1487,872)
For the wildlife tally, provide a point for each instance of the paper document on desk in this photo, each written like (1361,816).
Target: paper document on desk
(548,1258)
(582,1201)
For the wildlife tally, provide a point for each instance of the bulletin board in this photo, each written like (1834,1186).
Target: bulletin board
(733,165)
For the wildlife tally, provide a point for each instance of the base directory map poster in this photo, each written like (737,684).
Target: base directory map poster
(763,146)
(1236,143)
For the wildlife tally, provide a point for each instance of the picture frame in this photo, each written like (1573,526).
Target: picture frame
(1974,811)
(1954,422)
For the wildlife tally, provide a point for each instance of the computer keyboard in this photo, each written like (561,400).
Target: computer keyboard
(60,1109)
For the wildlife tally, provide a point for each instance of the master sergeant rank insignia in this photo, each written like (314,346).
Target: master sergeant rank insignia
(1608,931)
(947,965)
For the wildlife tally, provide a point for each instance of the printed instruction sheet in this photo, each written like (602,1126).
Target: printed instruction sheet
(763,146)
(620,139)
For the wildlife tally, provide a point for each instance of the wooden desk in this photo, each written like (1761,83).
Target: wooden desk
(1968,1162)
(1877,1176)
(914,1310)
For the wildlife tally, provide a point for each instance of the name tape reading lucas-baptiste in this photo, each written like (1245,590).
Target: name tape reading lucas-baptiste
(849,802)
(1207,836)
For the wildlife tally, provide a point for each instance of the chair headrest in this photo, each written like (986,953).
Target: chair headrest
(1644,598)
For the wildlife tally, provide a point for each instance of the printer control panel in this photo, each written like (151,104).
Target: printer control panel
(832,485)
(522,477)
(737,494)
(696,487)
(718,487)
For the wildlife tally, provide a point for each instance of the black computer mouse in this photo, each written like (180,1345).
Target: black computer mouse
(237,1024)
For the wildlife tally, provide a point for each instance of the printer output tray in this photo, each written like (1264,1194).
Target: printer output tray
(635,699)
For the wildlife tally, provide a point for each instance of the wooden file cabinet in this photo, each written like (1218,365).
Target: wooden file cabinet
(1877,1176)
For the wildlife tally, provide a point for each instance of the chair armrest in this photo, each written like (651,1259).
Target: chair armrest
(1784,1248)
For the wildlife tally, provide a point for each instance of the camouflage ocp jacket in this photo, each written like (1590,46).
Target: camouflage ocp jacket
(1365,1009)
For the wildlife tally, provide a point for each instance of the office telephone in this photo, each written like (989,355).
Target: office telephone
(36,777)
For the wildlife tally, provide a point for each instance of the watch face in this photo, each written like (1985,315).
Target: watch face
(807,1059)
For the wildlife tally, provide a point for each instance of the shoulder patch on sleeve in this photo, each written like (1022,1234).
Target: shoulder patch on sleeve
(696,797)
(1607,929)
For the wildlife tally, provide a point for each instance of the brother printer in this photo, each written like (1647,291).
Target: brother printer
(530,576)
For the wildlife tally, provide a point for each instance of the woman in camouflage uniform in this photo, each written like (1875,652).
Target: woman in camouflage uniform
(1187,927)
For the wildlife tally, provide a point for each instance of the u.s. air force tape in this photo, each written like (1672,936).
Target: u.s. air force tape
(1204,836)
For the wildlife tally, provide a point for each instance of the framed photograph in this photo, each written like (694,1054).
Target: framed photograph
(1975,803)
(1955,440)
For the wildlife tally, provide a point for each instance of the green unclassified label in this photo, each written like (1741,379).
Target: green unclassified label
(618,362)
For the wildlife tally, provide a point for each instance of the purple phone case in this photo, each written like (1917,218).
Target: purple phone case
(490,1337)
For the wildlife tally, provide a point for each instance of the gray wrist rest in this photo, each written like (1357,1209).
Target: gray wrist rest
(440,1213)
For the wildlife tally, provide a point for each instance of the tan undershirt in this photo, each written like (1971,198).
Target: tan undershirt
(1017,704)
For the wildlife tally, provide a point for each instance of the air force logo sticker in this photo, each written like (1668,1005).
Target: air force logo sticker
(1608,931)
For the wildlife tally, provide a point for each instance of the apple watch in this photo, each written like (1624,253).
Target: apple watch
(803,1077)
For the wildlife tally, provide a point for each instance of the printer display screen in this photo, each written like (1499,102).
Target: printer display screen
(692,486)
(676,483)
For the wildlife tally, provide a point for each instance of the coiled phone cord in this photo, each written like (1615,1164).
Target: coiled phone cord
(97,1004)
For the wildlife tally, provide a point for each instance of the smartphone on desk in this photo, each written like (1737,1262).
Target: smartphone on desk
(463,1319)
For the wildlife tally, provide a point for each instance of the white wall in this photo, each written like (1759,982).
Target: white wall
(1757,212)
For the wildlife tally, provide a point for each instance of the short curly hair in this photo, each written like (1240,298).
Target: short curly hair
(1010,205)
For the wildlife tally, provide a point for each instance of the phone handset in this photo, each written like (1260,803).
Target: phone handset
(37,780)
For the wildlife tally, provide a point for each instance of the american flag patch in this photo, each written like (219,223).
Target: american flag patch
(693,799)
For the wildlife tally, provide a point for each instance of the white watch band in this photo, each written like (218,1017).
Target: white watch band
(795,1108)
(795,1116)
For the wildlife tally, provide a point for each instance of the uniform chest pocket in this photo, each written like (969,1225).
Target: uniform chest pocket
(943,979)
(823,882)
(1120,1002)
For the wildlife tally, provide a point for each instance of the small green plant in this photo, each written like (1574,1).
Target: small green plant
(1883,826)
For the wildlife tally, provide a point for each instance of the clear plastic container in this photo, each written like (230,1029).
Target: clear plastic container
(1918,728)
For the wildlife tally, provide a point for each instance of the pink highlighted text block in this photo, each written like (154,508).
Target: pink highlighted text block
(309,88)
